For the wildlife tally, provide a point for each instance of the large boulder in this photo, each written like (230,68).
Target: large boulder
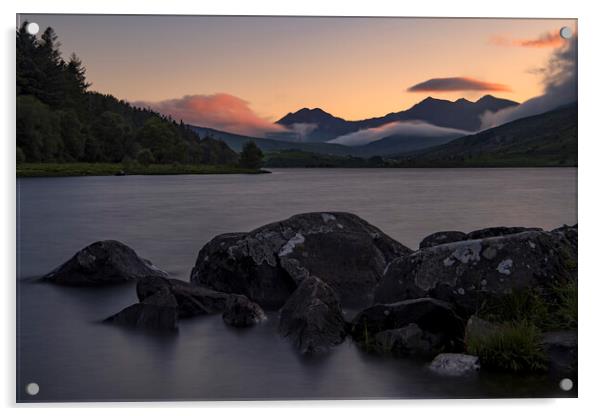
(312,318)
(241,312)
(437,321)
(102,263)
(498,232)
(191,300)
(267,264)
(442,237)
(156,312)
(467,272)
(445,237)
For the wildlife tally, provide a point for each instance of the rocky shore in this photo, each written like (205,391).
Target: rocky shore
(502,298)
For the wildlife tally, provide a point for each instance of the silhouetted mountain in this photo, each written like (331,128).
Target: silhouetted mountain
(460,114)
(321,125)
(548,139)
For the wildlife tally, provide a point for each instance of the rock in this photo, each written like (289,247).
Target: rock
(191,300)
(497,232)
(467,272)
(408,340)
(442,237)
(561,350)
(312,318)
(157,312)
(477,328)
(102,263)
(450,364)
(241,312)
(435,317)
(267,264)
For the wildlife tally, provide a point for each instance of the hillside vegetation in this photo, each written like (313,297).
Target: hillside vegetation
(60,121)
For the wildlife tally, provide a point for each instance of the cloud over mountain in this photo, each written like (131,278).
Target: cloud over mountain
(456,84)
(219,111)
(402,128)
(560,87)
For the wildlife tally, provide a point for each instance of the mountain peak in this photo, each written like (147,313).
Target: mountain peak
(307,115)
(463,101)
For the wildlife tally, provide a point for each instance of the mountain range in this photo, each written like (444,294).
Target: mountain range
(547,139)
(461,114)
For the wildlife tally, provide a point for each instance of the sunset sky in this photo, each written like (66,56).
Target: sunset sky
(260,68)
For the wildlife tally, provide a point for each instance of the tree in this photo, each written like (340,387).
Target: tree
(59,120)
(145,157)
(251,156)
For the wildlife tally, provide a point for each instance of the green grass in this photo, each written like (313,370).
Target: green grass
(108,169)
(514,347)
(554,309)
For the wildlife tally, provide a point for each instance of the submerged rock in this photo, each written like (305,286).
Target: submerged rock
(442,237)
(312,317)
(241,312)
(192,300)
(157,312)
(267,264)
(442,327)
(102,263)
(450,364)
(467,272)
(561,350)
(408,340)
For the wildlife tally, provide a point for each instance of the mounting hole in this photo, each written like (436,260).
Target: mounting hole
(566,32)
(566,384)
(33,28)
(32,389)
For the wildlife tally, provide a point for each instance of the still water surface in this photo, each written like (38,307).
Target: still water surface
(63,347)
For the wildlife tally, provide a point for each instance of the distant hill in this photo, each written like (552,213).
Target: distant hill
(396,144)
(236,142)
(548,139)
(460,114)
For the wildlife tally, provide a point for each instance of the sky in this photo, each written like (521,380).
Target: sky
(245,73)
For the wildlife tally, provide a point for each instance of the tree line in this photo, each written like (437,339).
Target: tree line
(60,120)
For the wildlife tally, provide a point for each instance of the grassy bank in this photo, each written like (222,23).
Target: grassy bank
(109,169)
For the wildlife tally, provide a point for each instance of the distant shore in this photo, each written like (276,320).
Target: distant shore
(117,169)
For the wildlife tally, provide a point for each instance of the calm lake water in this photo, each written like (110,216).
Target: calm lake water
(64,348)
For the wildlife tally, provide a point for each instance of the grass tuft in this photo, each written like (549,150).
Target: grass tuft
(514,347)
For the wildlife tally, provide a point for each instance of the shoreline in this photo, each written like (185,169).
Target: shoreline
(49,170)
(41,170)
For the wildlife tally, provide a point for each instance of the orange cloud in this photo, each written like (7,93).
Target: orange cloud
(545,40)
(456,84)
(219,111)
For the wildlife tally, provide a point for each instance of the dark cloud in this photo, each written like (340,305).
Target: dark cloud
(456,84)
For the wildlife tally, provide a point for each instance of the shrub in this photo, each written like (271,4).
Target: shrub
(514,347)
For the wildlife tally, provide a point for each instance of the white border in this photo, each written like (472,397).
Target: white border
(590,154)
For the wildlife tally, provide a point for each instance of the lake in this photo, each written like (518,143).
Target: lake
(64,348)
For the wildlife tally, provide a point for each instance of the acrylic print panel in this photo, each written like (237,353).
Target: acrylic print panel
(225,208)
